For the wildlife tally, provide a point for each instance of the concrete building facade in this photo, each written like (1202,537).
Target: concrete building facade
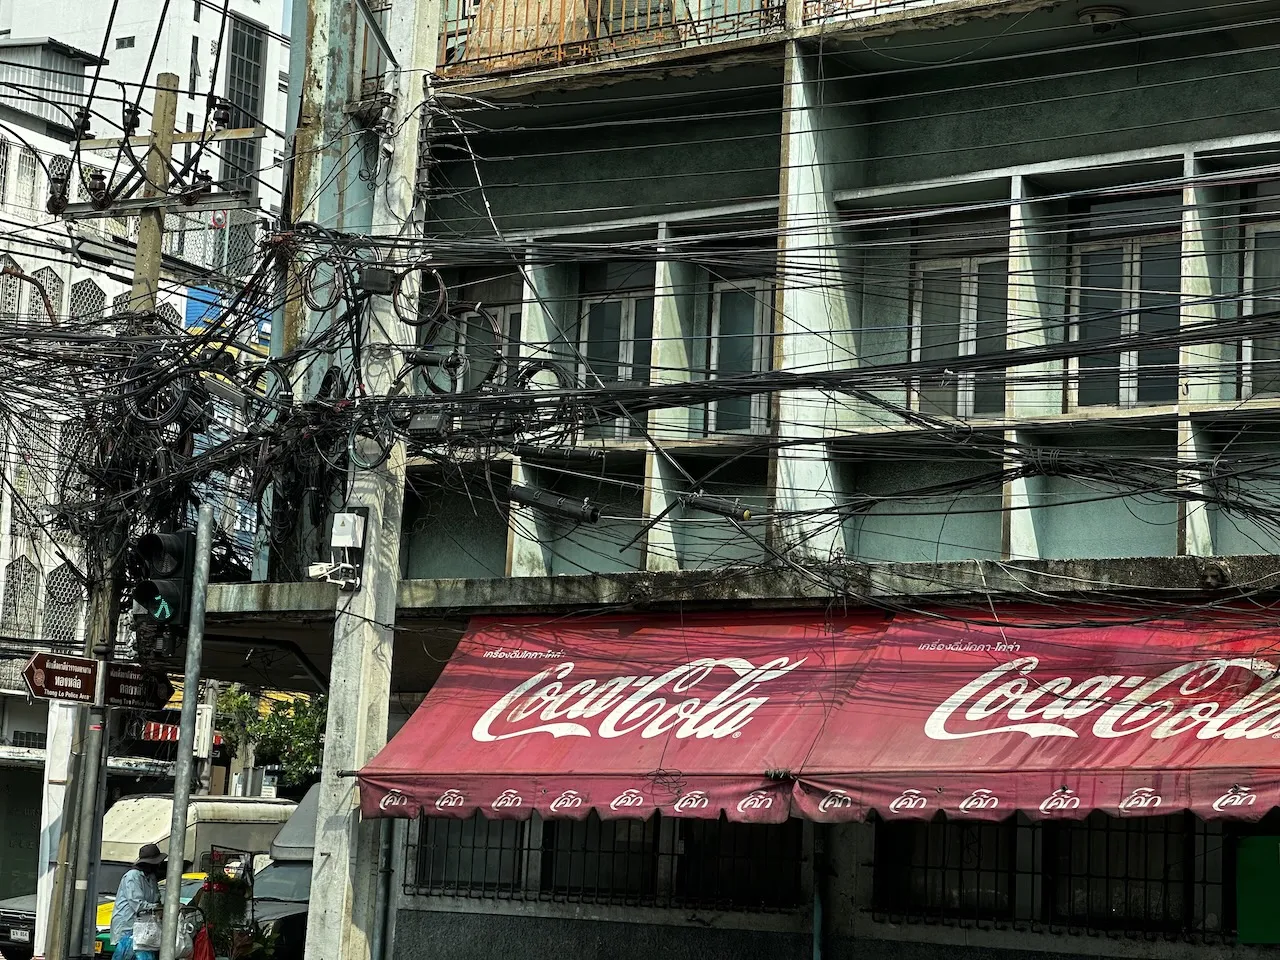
(1028,245)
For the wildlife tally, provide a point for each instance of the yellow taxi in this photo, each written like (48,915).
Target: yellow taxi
(191,884)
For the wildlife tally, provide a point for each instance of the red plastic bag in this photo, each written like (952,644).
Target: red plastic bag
(202,949)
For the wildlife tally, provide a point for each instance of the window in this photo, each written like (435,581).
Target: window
(63,606)
(10,290)
(946,869)
(1260,356)
(4,170)
(959,310)
(740,315)
(29,739)
(282,81)
(244,91)
(1133,874)
(21,590)
(193,70)
(659,862)
(25,200)
(617,347)
(87,300)
(1126,288)
(52,285)
(124,43)
(195,14)
(478,342)
(1137,876)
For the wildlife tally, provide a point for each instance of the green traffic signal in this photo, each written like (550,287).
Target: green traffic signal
(167,562)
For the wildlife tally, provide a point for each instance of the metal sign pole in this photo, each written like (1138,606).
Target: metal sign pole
(185,764)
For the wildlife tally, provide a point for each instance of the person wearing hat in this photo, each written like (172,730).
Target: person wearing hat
(139,888)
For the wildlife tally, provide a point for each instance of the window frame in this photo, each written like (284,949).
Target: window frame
(1247,306)
(26,206)
(1129,372)
(761,350)
(618,428)
(967,342)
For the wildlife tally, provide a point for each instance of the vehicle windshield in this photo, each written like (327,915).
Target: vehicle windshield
(283,880)
(189,889)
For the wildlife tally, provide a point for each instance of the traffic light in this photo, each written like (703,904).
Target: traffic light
(167,565)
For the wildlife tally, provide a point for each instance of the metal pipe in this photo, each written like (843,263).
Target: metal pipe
(88,808)
(382,896)
(185,763)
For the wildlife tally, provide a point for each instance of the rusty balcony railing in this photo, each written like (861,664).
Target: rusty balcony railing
(481,37)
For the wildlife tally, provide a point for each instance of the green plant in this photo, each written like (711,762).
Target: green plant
(290,734)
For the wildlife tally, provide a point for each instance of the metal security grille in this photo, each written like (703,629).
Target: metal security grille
(169,314)
(52,284)
(10,290)
(660,862)
(4,169)
(1136,876)
(87,300)
(21,590)
(11,674)
(25,193)
(63,606)
(244,91)
(30,739)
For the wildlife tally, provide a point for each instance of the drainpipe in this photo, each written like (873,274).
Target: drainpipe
(378,947)
(819,885)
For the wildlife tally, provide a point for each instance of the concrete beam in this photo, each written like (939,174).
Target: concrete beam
(307,597)
(1025,581)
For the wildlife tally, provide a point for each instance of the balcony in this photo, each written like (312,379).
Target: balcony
(483,37)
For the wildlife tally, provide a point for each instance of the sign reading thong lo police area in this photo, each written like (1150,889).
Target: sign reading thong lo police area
(52,677)
(136,688)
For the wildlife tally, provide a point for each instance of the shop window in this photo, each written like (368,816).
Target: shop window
(959,310)
(1131,874)
(1261,355)
(658,862)
(947,869)
(1125,288)
(617,347)
(740,322)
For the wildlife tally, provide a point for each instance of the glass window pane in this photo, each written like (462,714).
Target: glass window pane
(1159,280)
(642,345)
(735,354)
(1101,302)
(1266,300)
(939,337)
(604,337)
(513,344)
(993,297)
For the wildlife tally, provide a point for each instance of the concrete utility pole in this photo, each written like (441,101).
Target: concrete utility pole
(349,919)
(185,764)
(105,600)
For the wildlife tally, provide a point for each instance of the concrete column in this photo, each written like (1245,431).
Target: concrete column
(344,920)
(1033,390)
(57,763)
(1204,374)
(813,325)
(548,320)
(676,342)
(1195,532)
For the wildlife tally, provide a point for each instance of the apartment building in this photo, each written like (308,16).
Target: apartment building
(1007,269)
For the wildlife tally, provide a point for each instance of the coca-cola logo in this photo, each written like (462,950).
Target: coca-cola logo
(627,799)
(909,800)
(835,800)
(755,800)
(1175,703)
(618,706)
(1059,801)
(1143,798)
(693,800)
(1237,796)
(392,799)
(450,798)
(569,800)
(507,799)
(980,800)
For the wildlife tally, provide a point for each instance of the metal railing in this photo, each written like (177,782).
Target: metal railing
(660,862)
(479,37)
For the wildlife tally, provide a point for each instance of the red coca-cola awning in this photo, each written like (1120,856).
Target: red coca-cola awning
(764,716)
(693,717)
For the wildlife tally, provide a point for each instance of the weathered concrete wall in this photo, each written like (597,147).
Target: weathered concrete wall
(462,936)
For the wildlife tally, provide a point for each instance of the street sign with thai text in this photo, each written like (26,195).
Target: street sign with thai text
(134,687)
(52,677)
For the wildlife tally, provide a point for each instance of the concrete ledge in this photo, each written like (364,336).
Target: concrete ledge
(305,597)
(853,583)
